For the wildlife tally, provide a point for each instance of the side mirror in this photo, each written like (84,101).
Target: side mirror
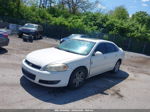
(97,53)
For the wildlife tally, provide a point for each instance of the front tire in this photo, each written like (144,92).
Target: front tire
(77,78)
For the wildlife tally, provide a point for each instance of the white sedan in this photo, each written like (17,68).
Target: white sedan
(72,62)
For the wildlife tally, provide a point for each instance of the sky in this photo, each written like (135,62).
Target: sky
(131,5)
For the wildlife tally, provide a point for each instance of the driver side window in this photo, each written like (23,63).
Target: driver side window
(102,48)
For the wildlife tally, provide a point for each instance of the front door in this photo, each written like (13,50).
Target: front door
(99,62)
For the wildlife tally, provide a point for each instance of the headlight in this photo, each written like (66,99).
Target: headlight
(56,67)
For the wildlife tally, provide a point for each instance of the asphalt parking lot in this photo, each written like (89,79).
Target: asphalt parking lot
(128,89)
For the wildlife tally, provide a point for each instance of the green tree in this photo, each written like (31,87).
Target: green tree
(120,13)
(10,7)
(142,18)
(75,6)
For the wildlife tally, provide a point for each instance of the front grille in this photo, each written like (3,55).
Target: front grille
(49,82)
(28,74)
(32,65)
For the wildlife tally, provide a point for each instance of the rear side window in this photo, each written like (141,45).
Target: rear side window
(111,48)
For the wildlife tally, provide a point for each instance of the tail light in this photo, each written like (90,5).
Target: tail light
(5,35)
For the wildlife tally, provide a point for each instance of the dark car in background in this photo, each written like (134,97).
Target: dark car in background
(73,36)
(34,31)
(4,40)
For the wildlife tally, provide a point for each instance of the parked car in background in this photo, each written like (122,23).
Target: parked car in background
(72,36)
(4,40)
(72,62)
(31,30)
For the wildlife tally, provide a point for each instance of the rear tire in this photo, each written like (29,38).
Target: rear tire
(77,78)
(117,66)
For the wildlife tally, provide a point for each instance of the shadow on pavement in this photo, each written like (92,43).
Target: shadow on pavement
(95,85)
(3,50)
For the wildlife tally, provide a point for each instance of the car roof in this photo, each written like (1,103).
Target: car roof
(93,40)
(77,35)
(31,24)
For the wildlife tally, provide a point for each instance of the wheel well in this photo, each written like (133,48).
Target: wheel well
(120,60)
(83,67)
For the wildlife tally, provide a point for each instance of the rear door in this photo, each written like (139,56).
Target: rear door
(112,55)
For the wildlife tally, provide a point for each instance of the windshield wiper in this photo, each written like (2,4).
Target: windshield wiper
(68,51)
(73,52)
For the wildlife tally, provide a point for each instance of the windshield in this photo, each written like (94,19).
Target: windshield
(30,26)
(77,46)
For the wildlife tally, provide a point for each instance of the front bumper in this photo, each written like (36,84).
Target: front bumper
(44,78)
(27,33)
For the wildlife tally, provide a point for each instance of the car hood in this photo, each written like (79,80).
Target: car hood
(51,55)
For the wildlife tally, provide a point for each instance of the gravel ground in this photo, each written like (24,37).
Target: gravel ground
(128,89)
